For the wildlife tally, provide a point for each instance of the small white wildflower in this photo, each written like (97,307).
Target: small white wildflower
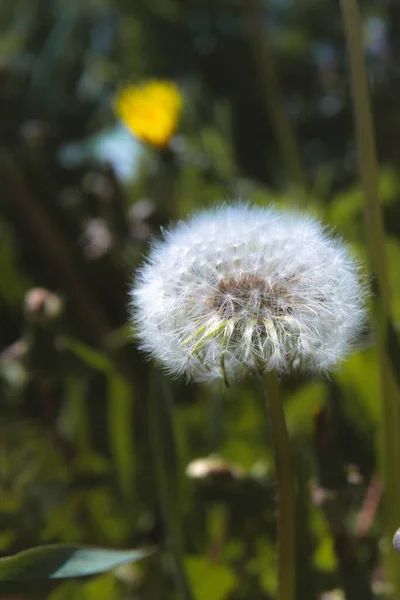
(240,288)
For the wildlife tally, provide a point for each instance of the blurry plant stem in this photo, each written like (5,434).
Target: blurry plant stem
(390,395)
(216,401)
(280,123)
(168,181)
(169,505)
(216,398)
(285,490)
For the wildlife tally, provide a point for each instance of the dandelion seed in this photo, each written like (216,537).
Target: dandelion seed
(150,111)
(240,288)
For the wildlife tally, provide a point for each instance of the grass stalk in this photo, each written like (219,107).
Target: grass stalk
(368,167)
(169,505)
(282,128)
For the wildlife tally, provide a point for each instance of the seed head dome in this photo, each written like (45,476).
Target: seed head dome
(239,288)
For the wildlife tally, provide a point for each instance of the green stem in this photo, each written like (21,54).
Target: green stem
(282,128)
(390,394)
(159,419)
(284,481)
(216,401)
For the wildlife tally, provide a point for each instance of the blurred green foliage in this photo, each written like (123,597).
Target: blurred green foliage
(85,423)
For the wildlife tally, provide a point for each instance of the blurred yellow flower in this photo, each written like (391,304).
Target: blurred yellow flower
(150,110)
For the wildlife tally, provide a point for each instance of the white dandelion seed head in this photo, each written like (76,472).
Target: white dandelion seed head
(240,288)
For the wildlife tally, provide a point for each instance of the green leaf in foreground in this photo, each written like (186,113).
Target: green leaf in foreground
(61,561)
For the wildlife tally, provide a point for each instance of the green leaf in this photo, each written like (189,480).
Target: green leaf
(105,587)
(61,561)
(88,355)
(209,580)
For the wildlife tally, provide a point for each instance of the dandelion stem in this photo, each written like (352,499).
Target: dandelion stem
(216,420)
(284,482)
(390,393)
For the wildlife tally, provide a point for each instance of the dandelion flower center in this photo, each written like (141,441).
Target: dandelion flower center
(250,296)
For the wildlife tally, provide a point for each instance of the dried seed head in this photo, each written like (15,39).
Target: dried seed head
(240,288)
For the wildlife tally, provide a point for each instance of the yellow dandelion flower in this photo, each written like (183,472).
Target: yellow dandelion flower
(150,110)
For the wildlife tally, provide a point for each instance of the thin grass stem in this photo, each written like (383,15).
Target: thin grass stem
(283,130)
(368,166)
(166,490)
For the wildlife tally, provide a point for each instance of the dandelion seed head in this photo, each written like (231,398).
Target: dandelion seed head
(242,288)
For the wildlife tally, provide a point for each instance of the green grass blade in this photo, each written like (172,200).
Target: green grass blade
(121,432)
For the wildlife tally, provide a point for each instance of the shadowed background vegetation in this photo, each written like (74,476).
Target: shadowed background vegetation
(96,445)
